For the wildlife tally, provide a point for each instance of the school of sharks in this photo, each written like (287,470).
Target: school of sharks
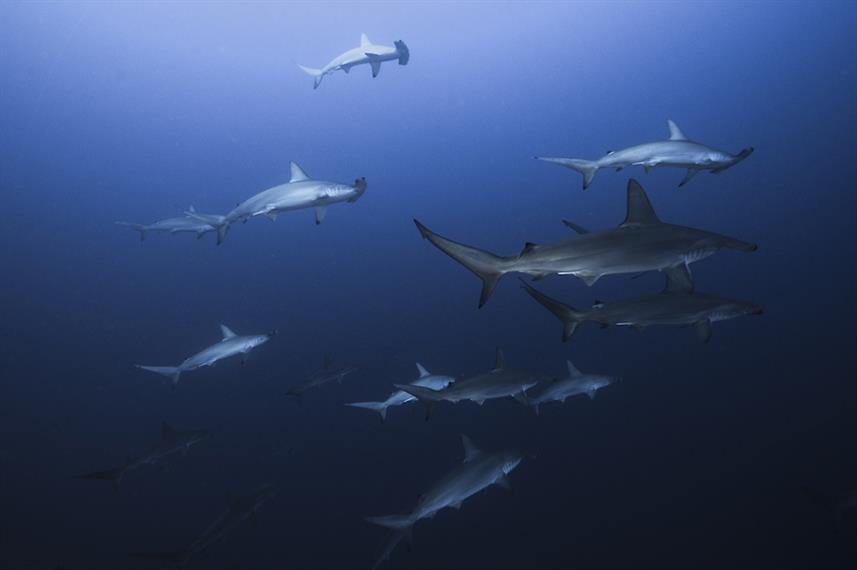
(641,243)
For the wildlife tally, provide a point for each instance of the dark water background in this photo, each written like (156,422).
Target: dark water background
(135,111)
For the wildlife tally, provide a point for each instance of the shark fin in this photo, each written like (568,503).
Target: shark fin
(521,397)
(470,450)
(227,332)
(500,361)
(535,407)
(167,431)
(297,173)
(425,395)
(678,279)
(271,216)
(364,40)
(675,132)
(320,213)
(587,168)
(703,330)
(317,75)
(569,316)
(379,407)
(479,402)
(589,278)
(423,372)
(375,63)
(172,372)
(640,211)
(503,481)
(579,229)
(573,372)
(457,505)
(487,266)
(691,172)
(591,393)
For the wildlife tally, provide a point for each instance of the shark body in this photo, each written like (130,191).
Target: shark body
(678,151)
(641,243)
(399,397)
(230,345)
(575,384)
(366,53)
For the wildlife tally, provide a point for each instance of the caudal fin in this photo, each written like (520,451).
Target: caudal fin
(587,168)
(398,523)
(379,407)
(113,475)
(171,372)
(487,266)
(316,74)
(425,395)
(136,227)
(569,316)
(219,223)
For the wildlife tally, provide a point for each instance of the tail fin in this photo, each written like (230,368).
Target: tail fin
(587,168)
(425,395)
(113,475)
(136,227)
(316,74)
(399,523)
(487,266)
(380,407)
(219,223)
(569,316)
(171,372)
(403,51)
(738,158)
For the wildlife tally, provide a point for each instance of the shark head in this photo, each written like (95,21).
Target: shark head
(357,190)
(257,340)
(510,460)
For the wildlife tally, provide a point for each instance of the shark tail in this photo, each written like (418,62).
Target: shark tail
(380,407)
(425,395)
(113,475)
(316,74)
(171,372)
(486,265)
(738,158)
(219,223)
(587,168)
(403,51)
(136,227)
(569,316)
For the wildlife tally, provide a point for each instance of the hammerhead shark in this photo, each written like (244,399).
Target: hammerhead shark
(479,471)
(366,53)
(641,243)
(184,224)
(327,373)
(576,383)
(678,151)
(677,304)
(399,397)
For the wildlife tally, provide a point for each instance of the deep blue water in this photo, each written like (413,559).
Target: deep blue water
(697,459)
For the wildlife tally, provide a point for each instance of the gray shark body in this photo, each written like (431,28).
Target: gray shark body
(184,224)
(299,193)
(240,509)
(327,373)
(641,243)
(366,54)
(677,304)
(172,441)
(577,383)
(399,397)
(231,345)
(678,152)
(479,471)
(500,382)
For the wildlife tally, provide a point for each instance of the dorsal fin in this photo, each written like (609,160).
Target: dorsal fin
(191,209)
(579,229)
(423,372)
(326,361)
(470,450)
(167,431)
(572,371)
(364,40)
(640,211)
(500,362)
(298,174)
(675,132)
(678,279)
(227,332)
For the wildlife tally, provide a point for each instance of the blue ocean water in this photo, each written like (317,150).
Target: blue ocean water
(700,458)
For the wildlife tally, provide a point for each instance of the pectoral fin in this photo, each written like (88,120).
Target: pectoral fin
(320,213)
(703,330)
(503,481)
(375,62)
(691,172)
